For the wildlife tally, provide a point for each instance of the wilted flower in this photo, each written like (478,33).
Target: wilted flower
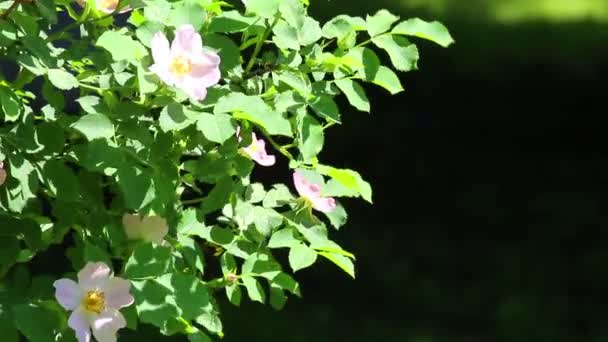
(95,302)
(257,150)
(185,64)
(149,228)
(312,193)
(106,6)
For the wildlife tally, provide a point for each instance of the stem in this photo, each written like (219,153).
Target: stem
(192,201)
(278,147)
(90,87)
(258,46)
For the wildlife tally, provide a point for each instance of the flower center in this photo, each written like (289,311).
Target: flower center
(109,4)
(180,66)
(94,301)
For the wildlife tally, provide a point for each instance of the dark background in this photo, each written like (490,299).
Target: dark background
(489,174)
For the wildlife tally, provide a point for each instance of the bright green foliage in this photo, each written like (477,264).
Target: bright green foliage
(89,133)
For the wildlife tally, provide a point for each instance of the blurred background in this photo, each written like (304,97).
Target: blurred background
(491,226)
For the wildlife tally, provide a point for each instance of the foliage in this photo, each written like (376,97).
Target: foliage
(104,136)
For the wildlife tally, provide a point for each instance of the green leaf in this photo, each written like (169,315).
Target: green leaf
(218,197)
(341,261)
(37,323)
(199,336)
(380,22)
(387,79)
(191,295)
(187,12)
(293,12)
(301,256)
(10,104)
(121,46)
(263,8)
(277,297)
(211,321)
(136,185)
(310,33)
(175,117)
(234,294)
(254,289)
(285,36)
(346,181)
(254,109)
(231,21)
(403,54)
(154,300)
(354,93)
(61,180)
(310,137)
(277,197)
(147,261)
(433,31)
(216,127)
(325,106)
(94,126)
(284,238)
(62,79)
(9,251)
(8,33)
(228,51)
(47,9)
(337,217)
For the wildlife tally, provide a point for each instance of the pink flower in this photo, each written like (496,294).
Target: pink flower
(312,193)
(149,228)
(106,6)
(257,150)
(3,173)
(94,302)
(185,64)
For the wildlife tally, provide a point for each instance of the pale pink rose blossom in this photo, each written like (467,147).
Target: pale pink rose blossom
(106,6)
(95,302)
(257,150)
(185,64)
(149,228)
(3,173)
(312,193)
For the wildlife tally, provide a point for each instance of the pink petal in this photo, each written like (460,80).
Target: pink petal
(160,50)
(264,159)
(93,275)
(117,294)
(324,204)
(193,87)
(106,325)
(187,41)
(163,73)
(302,185)
(206,68)
(78,322)
(68,293)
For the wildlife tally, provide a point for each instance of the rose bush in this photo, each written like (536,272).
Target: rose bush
(129,131)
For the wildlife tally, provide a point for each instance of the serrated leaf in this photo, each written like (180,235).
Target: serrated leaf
(254,109)
(341,261)
(403,54)
(254,289)
(433,31)
(354,93)
(326,107)
(10,104)
(310,137)
(216,127)
(284,238)
(301,256)
(121,46)
(148,260)
(94,126)
(62,79)
(380,22)
(263,8)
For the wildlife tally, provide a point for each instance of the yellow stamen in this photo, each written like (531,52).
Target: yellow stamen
(180,66)
(94,301)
